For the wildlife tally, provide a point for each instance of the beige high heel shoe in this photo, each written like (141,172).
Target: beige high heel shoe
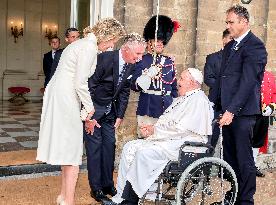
(59,200)
(63,203)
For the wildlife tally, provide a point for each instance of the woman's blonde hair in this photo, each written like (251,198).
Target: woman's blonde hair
(106,29)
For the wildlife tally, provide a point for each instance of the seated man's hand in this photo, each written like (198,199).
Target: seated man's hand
(90,126)
(147,130)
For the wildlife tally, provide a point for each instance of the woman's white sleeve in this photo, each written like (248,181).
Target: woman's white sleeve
(86,65)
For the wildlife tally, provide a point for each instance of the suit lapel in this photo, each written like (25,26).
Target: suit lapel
(115,70)
(233,52)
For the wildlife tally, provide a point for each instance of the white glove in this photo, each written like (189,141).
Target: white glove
(153,71)
(144,82)
(267,111)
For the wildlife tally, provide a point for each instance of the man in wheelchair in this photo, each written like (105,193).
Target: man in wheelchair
(189,118)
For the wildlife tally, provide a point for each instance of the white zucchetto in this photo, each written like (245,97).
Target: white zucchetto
(196,74)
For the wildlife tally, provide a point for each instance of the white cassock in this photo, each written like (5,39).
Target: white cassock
(189,118)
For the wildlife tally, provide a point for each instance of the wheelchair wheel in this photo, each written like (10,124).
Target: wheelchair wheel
(207,181)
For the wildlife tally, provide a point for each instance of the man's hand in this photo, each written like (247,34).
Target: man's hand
(118,122)
(90,126)
(226,119)
(147,130)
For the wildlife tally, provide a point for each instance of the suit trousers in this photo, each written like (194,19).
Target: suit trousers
(100,151)
(237,143)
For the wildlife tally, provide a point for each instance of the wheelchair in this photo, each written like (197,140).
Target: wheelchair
(195,179)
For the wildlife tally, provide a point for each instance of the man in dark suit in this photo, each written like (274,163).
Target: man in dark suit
(109,87)
(211,72)
(239,97)
(48,58)
(71,35)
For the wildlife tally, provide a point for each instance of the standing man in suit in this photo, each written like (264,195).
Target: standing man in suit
(109,87)
(71,35)
(48,59)
(239,97)
(211,72)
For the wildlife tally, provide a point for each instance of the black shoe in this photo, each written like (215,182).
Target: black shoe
(112,191)
(124,202)
(220,203)
(259,173)
(108,202)
(98,195)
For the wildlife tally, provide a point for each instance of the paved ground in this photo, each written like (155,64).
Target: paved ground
(43,190)
(19,126)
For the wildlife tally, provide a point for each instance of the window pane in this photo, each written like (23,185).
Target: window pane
(83,12)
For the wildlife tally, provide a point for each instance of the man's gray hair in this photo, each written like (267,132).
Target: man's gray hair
(133,39)
(240,11)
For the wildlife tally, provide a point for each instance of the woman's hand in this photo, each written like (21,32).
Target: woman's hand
(90,126)
(89,116)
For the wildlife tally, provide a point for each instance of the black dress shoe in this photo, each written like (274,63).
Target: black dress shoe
(98,195)
(124,202)
(108,202)
(220,203)
(259,173)
(112,191)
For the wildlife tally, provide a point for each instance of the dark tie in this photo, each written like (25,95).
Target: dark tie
(121,75)
(53,54)
(234,45)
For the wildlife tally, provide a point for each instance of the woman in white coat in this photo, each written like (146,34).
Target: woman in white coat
(61,130)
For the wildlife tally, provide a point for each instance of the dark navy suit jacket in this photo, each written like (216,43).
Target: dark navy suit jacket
(55,62)
(103,85)
(239,86)
(47,64)
(211,72)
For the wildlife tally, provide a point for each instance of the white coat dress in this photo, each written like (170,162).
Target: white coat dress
(61,130)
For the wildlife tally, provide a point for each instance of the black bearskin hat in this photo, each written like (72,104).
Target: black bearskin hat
(165,29)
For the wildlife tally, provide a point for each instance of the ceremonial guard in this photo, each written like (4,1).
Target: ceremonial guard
(155,74)
(268,93)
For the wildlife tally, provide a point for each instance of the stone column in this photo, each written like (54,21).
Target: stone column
(210,25)
(182,44)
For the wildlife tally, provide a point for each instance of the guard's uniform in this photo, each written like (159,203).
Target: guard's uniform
(268,93)
(162,90)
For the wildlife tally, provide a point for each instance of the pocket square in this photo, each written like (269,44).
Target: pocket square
(129,77)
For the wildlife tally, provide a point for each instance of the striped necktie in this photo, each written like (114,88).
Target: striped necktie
(121,75)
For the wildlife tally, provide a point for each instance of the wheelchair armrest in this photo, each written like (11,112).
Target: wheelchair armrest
(209,147)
